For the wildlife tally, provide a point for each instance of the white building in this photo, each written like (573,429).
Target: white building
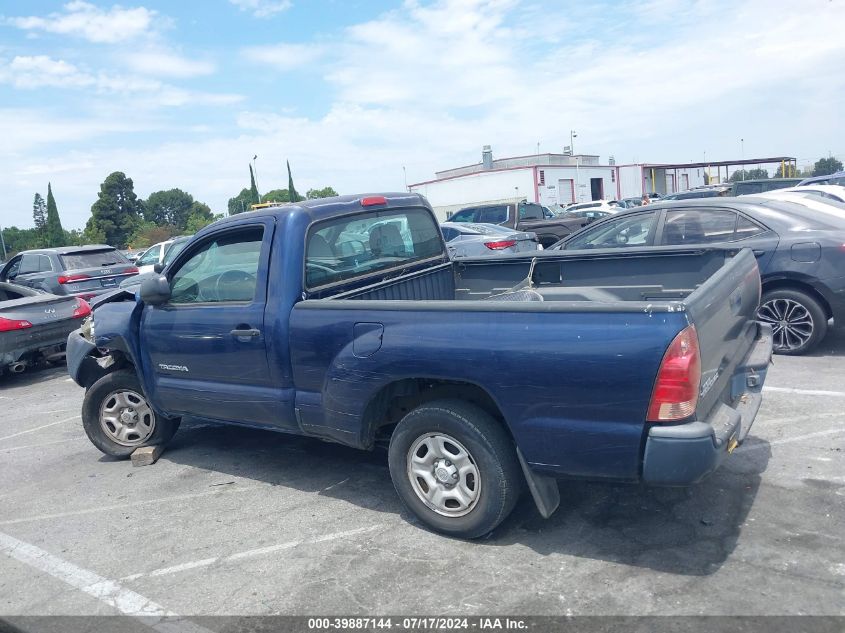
(550,179)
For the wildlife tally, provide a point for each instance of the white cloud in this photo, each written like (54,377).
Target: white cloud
(162,63)
(85,20)
(32,72)
(263,8)
(285,57)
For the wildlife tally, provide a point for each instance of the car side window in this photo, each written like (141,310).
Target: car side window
(623,231)
(44,264)
(14,269)
(464,215)
(746,228)
(698,226)
(530,212)
(222,269)
(493,215)
(449,233)
(150,257)
(29,264)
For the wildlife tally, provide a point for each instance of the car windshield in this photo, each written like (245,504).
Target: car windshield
(92,259)
(174,249)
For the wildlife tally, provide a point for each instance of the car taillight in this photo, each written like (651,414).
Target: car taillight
(132,270)
(69,279)
(7,325)
(82,309)
(371,201)
(675,393)
(495,246)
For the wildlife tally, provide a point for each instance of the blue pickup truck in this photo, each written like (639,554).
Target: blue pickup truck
(345,319)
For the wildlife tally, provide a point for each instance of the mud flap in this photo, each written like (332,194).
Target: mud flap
(543,489)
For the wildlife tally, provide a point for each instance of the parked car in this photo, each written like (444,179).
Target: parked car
(710,192)
(799,251)
(823,192)
(591,215)
(752,187)
(35,325)
(831,179)
(525,217)
(176,246)
(155,254)
(635,201)
(82,271)
(465,239)
(481,374)
(603,205)
(132,254)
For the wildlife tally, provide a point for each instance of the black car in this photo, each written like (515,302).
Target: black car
(709,192)
(525,217)
(799,251)
(82,271)
(751,187)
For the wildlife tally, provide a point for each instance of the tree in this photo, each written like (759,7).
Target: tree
(825,166)
(39,218)
(291,190)
(55,233)
(200,215)
(253,190)
(117,211)
(171,207)
(276,195)
(325,192)
(240,202)
(750,174)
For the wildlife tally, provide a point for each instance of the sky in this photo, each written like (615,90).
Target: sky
(368,95)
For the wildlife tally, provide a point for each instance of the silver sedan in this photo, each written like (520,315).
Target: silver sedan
(468,239)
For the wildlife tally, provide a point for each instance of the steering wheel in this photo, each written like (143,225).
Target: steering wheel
(230,282)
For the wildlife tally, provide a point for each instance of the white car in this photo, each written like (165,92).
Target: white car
(152,256)
(822,192)
(595,205)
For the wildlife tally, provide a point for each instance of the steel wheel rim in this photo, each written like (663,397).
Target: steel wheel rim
(443,474)
(126,418)
(792,324)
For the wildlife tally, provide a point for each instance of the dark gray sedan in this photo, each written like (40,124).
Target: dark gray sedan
(35,325)
(800,252)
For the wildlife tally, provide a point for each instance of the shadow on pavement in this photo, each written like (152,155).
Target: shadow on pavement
(689,531)
(832,345)
(33,375)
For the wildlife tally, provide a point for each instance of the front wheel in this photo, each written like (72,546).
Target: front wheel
(798,321)
(455,467)
(118,418)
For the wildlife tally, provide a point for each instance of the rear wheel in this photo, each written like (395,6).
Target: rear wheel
(798,321)
(455,467)
(118,418)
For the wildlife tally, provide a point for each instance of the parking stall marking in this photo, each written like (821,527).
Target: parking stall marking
(38,428)
(805,392)
(64,441)
(790,440)
(251,553)
(105,590)
(123,506)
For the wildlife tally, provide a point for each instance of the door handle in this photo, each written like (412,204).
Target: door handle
(245,333)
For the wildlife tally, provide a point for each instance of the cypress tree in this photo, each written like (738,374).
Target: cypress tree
(55,233)
(253,190)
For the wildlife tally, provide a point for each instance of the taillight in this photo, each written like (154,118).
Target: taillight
(7,325)
(495,246)
(82,309)
(371,201)
(675,394)
(69,279)
(132,270)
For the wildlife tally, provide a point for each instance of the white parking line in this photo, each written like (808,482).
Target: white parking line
(123,506)
(20,448)
(103,589)
(250,553)
(805,392)
(38,428)
(790,440)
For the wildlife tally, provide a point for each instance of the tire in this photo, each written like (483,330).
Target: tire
(108,420)
(477,490)
(798,320)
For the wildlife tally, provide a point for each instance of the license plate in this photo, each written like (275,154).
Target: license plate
(108,283)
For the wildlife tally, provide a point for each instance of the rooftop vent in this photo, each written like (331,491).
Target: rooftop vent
(487,157)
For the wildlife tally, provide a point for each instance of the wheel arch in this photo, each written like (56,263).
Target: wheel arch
(800,285)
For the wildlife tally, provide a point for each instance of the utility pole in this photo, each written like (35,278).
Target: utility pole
(572,137)
(742,155)
(3,244)
(255,175)
(405,177)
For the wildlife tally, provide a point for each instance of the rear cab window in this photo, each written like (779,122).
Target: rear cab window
(92,259)
(354,246)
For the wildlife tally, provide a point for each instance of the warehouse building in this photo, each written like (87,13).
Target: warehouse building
(562,178)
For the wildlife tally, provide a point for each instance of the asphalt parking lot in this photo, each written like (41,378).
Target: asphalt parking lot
(237,521)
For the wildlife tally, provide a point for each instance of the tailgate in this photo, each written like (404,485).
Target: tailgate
(723,310)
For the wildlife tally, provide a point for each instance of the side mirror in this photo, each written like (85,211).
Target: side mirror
(155,291)
(158,268)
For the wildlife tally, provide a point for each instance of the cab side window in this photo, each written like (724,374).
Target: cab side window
(222,269)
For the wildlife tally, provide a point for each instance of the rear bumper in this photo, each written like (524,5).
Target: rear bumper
(686,453)
(35,341)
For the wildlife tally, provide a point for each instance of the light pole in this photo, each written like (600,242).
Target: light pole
(517,193)
(572,137)
(255,174)
(3,244)
(405,177)
(742,155)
